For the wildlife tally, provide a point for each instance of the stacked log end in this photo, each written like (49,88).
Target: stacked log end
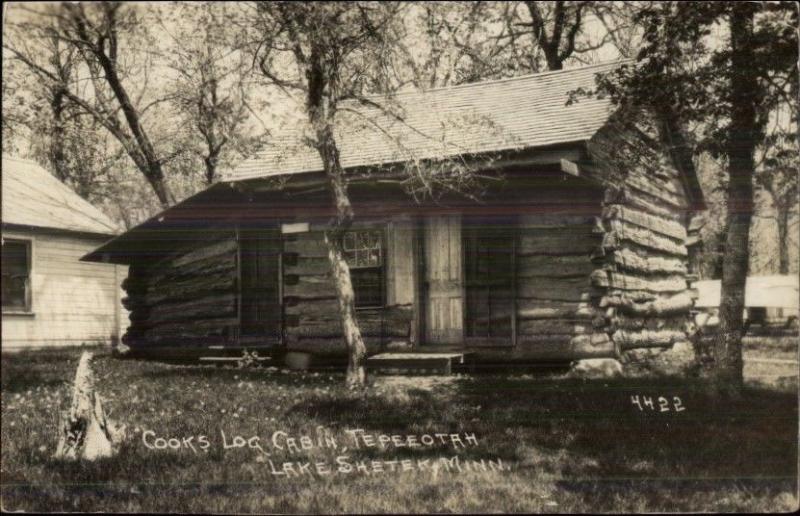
(646,298)
(135,286)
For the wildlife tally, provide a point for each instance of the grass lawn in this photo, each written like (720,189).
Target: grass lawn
(781,347)
(771,361)
(549,444)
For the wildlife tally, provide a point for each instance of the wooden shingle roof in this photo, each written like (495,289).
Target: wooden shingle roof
(492,116)
(35,198)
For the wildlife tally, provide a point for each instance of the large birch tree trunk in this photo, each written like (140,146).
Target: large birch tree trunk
(357,351)
(321,117)
(334,239)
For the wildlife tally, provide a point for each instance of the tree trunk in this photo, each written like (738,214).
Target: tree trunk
(553,60)
(782,218)
(741,166)
(550,47)
(58,159)
(155,176)
(145,156)
(148,163)
(357,351)
(321,110)
(334,238)
(210,162)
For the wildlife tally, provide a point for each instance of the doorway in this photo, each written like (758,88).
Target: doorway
(443,281)
(260,287)
(489,280)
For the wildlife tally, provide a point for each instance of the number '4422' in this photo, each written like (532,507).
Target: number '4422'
(658,404)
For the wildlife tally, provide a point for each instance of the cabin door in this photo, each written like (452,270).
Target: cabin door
(261,307)
(444,303)
(489,249)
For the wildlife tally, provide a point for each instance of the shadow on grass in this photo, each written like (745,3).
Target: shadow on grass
(27,370)
(374,412)
(686,434)
(29,381)
(685,494)
(752,437)
(217,373)
(103,484)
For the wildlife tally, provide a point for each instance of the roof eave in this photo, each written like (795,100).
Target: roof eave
(547,155)
(106,254)
(13,226)
(538,155)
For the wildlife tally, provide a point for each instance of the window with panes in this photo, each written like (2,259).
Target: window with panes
(364,252)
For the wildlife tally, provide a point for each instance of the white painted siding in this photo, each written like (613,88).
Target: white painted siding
(73,302)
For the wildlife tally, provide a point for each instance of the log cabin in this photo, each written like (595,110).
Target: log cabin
(573,246)
(50,297)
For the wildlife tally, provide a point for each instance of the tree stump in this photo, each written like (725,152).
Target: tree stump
(85,433)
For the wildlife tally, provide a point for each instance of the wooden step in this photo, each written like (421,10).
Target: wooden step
(415,363)
(231,359)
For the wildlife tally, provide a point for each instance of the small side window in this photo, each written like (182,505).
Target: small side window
(16,267)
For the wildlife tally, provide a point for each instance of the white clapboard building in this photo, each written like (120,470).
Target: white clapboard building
(50,298)
(767,299)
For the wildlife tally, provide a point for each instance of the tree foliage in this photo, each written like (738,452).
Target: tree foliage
(462,42)
(107,38)
(213,93)
(777,177)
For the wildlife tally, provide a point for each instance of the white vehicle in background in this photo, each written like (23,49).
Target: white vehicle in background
(770,301)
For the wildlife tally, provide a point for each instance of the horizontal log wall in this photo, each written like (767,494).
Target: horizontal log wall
(311,307)
(187,299)
(646,298)
(557,306)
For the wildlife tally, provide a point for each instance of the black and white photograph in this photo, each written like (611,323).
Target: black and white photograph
(402,257)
